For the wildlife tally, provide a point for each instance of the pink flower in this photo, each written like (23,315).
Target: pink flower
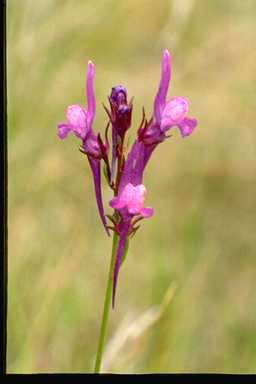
(79,120)
(173,112)
(132,198)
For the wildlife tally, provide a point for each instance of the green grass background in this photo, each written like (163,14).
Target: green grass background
(202,235)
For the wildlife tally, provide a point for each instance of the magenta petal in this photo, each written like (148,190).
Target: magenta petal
(135,198)
(117,203)
(187,125)
(63,130)
(147,212)
(95,167)
(124,198)
(160,98)
(91,103)
(77,120)
(174,111)
(114,202)
(76,115)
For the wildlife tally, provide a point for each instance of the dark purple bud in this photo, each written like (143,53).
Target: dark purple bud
(119,95)
(121,111)
(120,117)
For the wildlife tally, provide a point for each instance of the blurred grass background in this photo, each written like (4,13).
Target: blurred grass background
(202,235)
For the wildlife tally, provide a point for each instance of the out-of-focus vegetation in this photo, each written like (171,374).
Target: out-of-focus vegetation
(201,238)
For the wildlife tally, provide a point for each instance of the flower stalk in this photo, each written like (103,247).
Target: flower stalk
(107,301)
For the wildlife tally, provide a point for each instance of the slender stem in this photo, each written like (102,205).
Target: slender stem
(107,302)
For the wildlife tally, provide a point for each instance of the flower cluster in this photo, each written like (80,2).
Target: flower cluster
(124,175)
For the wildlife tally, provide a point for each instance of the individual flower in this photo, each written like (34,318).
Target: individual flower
(76,122)
(132,198)
(79,121)
(172,112)
(130,205)
(166,114)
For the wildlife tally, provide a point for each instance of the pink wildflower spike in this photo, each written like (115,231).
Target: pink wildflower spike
(127,180)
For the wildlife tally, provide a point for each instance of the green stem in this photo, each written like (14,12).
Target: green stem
(107,302)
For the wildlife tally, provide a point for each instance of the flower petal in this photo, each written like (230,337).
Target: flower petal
(160,98)
(63,130)
(123,199)
(187,125)
(147,212)
(174,111)
(136,202)
(76,115)
(77,119)
(117,203)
